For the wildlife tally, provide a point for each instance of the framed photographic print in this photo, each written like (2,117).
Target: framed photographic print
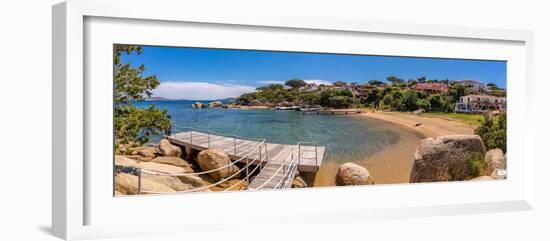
(265,118)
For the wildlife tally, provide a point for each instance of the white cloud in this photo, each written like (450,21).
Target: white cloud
(266,82)
(318,81)
(200,90)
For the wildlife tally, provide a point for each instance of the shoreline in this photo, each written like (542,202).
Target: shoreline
(393,164)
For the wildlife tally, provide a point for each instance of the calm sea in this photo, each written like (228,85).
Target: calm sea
(346,137)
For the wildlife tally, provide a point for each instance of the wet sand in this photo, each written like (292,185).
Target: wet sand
(393,164)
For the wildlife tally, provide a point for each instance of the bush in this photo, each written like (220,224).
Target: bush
(477,166)
(423,104)
(493,132)
(340,102)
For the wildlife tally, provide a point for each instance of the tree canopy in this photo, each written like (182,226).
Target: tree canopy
(295,83)
(134,126)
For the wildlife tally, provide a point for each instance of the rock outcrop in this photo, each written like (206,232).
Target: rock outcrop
(172,182)
(233,185)
(445,158)
(352,174)
(124,161)
(496,159)
(140,158)
(167,149)
(192,180)
(211,159)
(175,161)
(128,185)
(162,168)
(215,104)
(148,151)
(198,105)
(298,182)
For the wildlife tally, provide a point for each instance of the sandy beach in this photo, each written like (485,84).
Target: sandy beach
(429,126)
(393,164)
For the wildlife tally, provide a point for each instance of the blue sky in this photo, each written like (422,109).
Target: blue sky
(205,74)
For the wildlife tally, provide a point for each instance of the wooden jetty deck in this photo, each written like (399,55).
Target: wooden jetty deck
(333,112)
(310,158)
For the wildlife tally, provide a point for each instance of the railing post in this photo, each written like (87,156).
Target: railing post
(316,154)
(247,174)
(235,145)
(299,153)
(139,182)
(191,136)
(208,139)
(260,160)
(266,152)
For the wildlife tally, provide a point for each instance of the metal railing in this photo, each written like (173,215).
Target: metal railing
(192,132)
(249,158)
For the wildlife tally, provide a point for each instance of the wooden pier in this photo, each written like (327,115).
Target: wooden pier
(333,111)
(310,156)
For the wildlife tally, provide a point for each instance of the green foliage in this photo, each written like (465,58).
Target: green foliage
(339,83)
(387,100)
(134,126)
(410,98)
(493,131)
(340,101)
(423,104)
(477,166)
(312,99)
(394,80)
(295,83)
(375,82)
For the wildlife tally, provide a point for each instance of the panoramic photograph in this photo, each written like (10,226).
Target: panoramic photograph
(190,120)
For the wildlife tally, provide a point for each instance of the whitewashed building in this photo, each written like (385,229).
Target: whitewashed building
(480,104)
(474,84)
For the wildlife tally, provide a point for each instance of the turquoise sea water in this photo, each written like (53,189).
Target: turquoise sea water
(346,137)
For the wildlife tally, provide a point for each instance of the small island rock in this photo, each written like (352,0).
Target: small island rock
(215,104)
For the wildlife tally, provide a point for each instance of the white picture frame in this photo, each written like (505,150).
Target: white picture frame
(74,198)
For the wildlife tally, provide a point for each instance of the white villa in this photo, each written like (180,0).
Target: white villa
(480,104)
(474,84)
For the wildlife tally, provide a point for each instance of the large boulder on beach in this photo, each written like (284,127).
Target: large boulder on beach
(496,159)
(127,184)
(350,173)
(176,161)
(167,149)
(124,161)
(215,104)
(148,151)
(212,159)
(162,168)
(445,158)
